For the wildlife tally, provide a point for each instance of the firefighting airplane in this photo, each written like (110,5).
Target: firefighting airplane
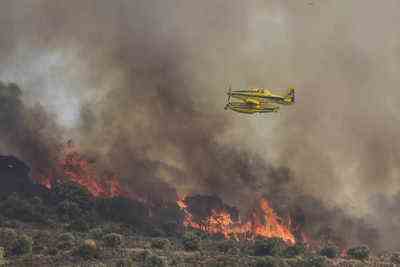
(258,100)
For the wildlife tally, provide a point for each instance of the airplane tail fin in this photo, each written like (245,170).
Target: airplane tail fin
(291,95)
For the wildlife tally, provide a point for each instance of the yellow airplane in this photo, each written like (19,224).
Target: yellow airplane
(264,94)
(251,108)
(250,105)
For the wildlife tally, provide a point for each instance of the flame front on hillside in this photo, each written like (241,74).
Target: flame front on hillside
(262,221)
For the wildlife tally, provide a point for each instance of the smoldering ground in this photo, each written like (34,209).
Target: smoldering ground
(140,86)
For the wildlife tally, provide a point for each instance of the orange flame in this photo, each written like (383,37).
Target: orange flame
(79,170)
(264,222)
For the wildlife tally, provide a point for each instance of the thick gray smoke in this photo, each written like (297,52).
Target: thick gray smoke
(140,86)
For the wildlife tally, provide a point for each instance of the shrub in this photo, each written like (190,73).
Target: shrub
(66,237)
(359,253)
(19,208)
(295,250)
(112,240)
(88,249)
(2,255)
(69,210)
(330,251)
(226,246)
(265,262)
(191,241)
(154,261)
(66,245)
(296,262)
(8,238)
(23,245)
(114,209)
(96,233)
(269,261)
(269,247)
(315,261)
(222,261)
(73,192)
(160,243)
(79,226)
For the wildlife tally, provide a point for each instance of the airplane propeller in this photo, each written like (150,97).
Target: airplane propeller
(229,96)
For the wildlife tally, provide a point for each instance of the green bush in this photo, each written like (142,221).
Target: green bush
(269,261)
(266,262)
(20,208)
(315,261)
(112,240)
(191,241)
(2,255)
(359,253)
(69,210)
(221,261)
(330,251)
(296,262)
(88,249)
(96,233)
(79,226)
(114,209)
(154,261)
(66,237)
(269,247)
(160,243)
(295,250)
(23,245)
(8,238)
(226,246)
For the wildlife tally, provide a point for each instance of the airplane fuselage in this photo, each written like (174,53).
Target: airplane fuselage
(266,96)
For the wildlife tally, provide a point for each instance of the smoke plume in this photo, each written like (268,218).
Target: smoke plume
(140,86)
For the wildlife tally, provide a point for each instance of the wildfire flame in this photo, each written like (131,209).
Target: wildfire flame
(77,169)
(262,222)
